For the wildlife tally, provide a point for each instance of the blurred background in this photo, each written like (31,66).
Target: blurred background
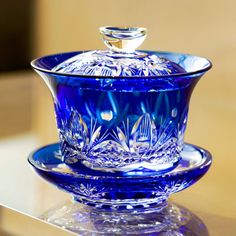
(33,28)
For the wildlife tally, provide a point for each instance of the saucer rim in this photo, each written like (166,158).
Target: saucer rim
(206,161)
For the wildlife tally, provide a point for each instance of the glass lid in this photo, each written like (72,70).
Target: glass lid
(121,57)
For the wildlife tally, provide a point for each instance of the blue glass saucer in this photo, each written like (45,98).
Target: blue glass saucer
(135,190)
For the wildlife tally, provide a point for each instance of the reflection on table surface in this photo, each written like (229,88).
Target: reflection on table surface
(69,218)
(83,220)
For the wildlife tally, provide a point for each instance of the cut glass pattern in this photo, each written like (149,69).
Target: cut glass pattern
(108,63)
(125,147)
(86,191)
(117,191)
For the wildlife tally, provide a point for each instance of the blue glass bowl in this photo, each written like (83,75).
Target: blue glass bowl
(122,191)
(122,124)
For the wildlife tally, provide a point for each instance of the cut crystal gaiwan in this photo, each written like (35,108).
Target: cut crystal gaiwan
(121,110)
(121,117)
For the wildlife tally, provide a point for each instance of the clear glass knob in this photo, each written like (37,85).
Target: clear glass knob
(123,39)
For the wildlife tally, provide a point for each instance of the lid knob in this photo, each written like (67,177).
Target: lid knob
(123,39)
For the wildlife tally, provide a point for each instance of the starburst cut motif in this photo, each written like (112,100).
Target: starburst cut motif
(173,186)
(121,146)
(77,139)
(87,190)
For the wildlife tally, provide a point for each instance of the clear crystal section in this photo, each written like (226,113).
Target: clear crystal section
(108,63)
(125,147)
(121,59)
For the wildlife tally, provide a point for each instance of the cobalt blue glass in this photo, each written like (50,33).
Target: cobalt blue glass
(121,113)
(115,192)
(122,123)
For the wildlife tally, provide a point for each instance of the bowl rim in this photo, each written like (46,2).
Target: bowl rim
(34,64)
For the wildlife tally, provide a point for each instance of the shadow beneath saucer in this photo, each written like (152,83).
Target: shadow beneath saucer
(173,220)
